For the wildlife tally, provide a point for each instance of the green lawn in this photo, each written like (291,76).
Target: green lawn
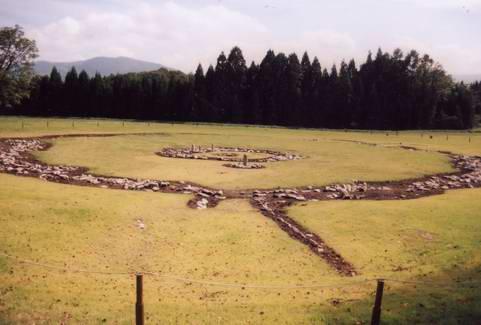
(95,229)
(327,160)
(431,239)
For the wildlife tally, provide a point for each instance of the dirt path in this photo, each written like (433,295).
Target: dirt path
(16,159)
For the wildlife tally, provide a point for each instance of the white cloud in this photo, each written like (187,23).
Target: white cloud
(330,46)
(177,36)
(166,33)
(181,34)
(454,57)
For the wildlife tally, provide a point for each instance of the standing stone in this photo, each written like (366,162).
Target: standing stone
(245,160)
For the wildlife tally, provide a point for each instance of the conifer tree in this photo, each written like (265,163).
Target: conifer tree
(199,107)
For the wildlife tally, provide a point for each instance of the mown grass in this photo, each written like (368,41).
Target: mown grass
(327,160)
(431,239)
(434,239)
(95,229)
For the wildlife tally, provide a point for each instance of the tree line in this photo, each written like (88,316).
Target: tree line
(476,90)
(388,91)
(159,95)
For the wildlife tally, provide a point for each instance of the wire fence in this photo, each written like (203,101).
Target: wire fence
(139,274)
(465,284)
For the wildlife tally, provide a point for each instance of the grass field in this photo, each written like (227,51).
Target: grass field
(327,159)
(434,239)
(95,229)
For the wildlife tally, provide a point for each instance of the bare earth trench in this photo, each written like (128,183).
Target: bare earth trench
(16,159)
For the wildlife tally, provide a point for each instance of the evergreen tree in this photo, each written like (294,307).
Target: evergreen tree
(55,85)
(306,89)
(199,107)
(391,91)
(252,112)
(294,78)
(313,111)
(210,84)
(97,92)
(279,112)
(221,88)
(82,107)
(71,93)
(267,88)
(236,76)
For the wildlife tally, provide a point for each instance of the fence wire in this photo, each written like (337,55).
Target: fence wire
(458,284)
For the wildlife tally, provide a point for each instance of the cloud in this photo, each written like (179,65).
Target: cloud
(180,34)
(330,46)
(177,36)
(454,57)
(167,33)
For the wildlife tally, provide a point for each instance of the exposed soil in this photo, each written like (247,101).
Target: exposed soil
(16,158)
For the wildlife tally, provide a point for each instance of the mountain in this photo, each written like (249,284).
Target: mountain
(467,78)
(104,65)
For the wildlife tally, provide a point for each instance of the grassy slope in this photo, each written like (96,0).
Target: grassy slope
(435,238)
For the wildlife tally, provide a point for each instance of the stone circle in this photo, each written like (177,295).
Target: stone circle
(230,155)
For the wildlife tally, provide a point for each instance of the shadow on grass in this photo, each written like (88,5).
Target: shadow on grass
(451,298)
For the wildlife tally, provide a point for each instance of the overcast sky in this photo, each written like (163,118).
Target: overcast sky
(180,34)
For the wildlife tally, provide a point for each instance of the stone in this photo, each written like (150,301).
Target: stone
(202,203)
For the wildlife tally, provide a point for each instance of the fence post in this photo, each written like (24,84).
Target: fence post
(139,304)
(376,310)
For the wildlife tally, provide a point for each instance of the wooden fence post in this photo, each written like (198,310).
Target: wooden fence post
(139,304)
(376,310)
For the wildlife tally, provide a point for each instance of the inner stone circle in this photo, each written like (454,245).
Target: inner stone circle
(235,157)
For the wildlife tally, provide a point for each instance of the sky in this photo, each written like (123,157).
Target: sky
(182,34)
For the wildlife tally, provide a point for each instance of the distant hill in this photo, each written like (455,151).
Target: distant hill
(468,78)
(104,65)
